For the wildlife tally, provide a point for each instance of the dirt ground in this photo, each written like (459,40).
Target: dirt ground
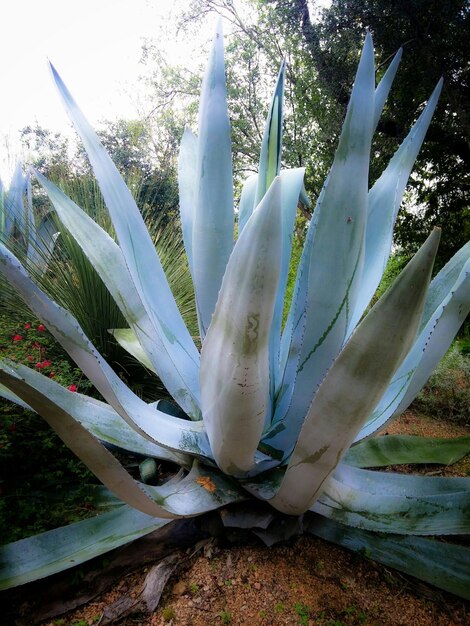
(305,581)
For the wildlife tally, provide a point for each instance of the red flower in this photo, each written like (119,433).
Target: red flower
(51,375)
(41,328)
(39,366)
(30,357)
(72,388)
(27,326)
(46,363)
(17,338)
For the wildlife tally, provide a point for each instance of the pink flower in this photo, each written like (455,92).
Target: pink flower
(41,328)
(17,338)
(27,326)
(72,388)
(39,366)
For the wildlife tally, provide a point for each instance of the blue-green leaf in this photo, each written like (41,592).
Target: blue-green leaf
(88,449)
(214,215)
(175,433)
(62,548)
(383,88)
(331,263)
(357,379)
(271,146)
(135,242)
(383,205)
(419,505)
(247,201)
(428,349)
(404,449)
(175,361)
(235,353)
(187,187)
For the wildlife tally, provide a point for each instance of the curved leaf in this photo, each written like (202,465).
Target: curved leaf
(175,365)
(187,187)
(135,242)
(383,204)
(235,353)
(88,449)
(331,266)
(59,549)
(214,216)
(428,349)
(356,380)
(424,512)
(159,427)
(404,449)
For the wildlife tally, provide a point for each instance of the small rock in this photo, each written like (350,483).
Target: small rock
(257,586)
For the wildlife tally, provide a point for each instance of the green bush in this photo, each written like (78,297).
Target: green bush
(447,392)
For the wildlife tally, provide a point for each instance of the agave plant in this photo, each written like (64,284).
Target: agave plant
(264,412)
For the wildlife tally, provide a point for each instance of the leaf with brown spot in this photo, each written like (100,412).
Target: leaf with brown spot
(207,483)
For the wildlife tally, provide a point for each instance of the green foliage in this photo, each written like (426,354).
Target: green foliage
(303,611)
(225,617)
(48,486)
(446,395)
(168,614)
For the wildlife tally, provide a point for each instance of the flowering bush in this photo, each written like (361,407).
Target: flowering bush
(32,345)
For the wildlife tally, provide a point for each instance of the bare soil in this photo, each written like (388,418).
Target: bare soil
(305,581)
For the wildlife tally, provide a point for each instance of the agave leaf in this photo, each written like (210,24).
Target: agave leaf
(428,349)
(395,484)
(444,565)
(331,262)
(247,201)
(96,416)
(135,242)
(291,186)
(404,449)
(127,339)
(358,378)
(384,202)
(62,548)
(291,189)
(271,146)
(383,88)
(59,549)
(444,283)
(11,397)
(421,505)
(235,353)
(214,216)
(88,449)
(170,359)
(187,186)
(176,434)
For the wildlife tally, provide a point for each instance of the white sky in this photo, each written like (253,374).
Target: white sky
(95,45)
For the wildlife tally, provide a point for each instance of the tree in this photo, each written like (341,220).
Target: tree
(434,35)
